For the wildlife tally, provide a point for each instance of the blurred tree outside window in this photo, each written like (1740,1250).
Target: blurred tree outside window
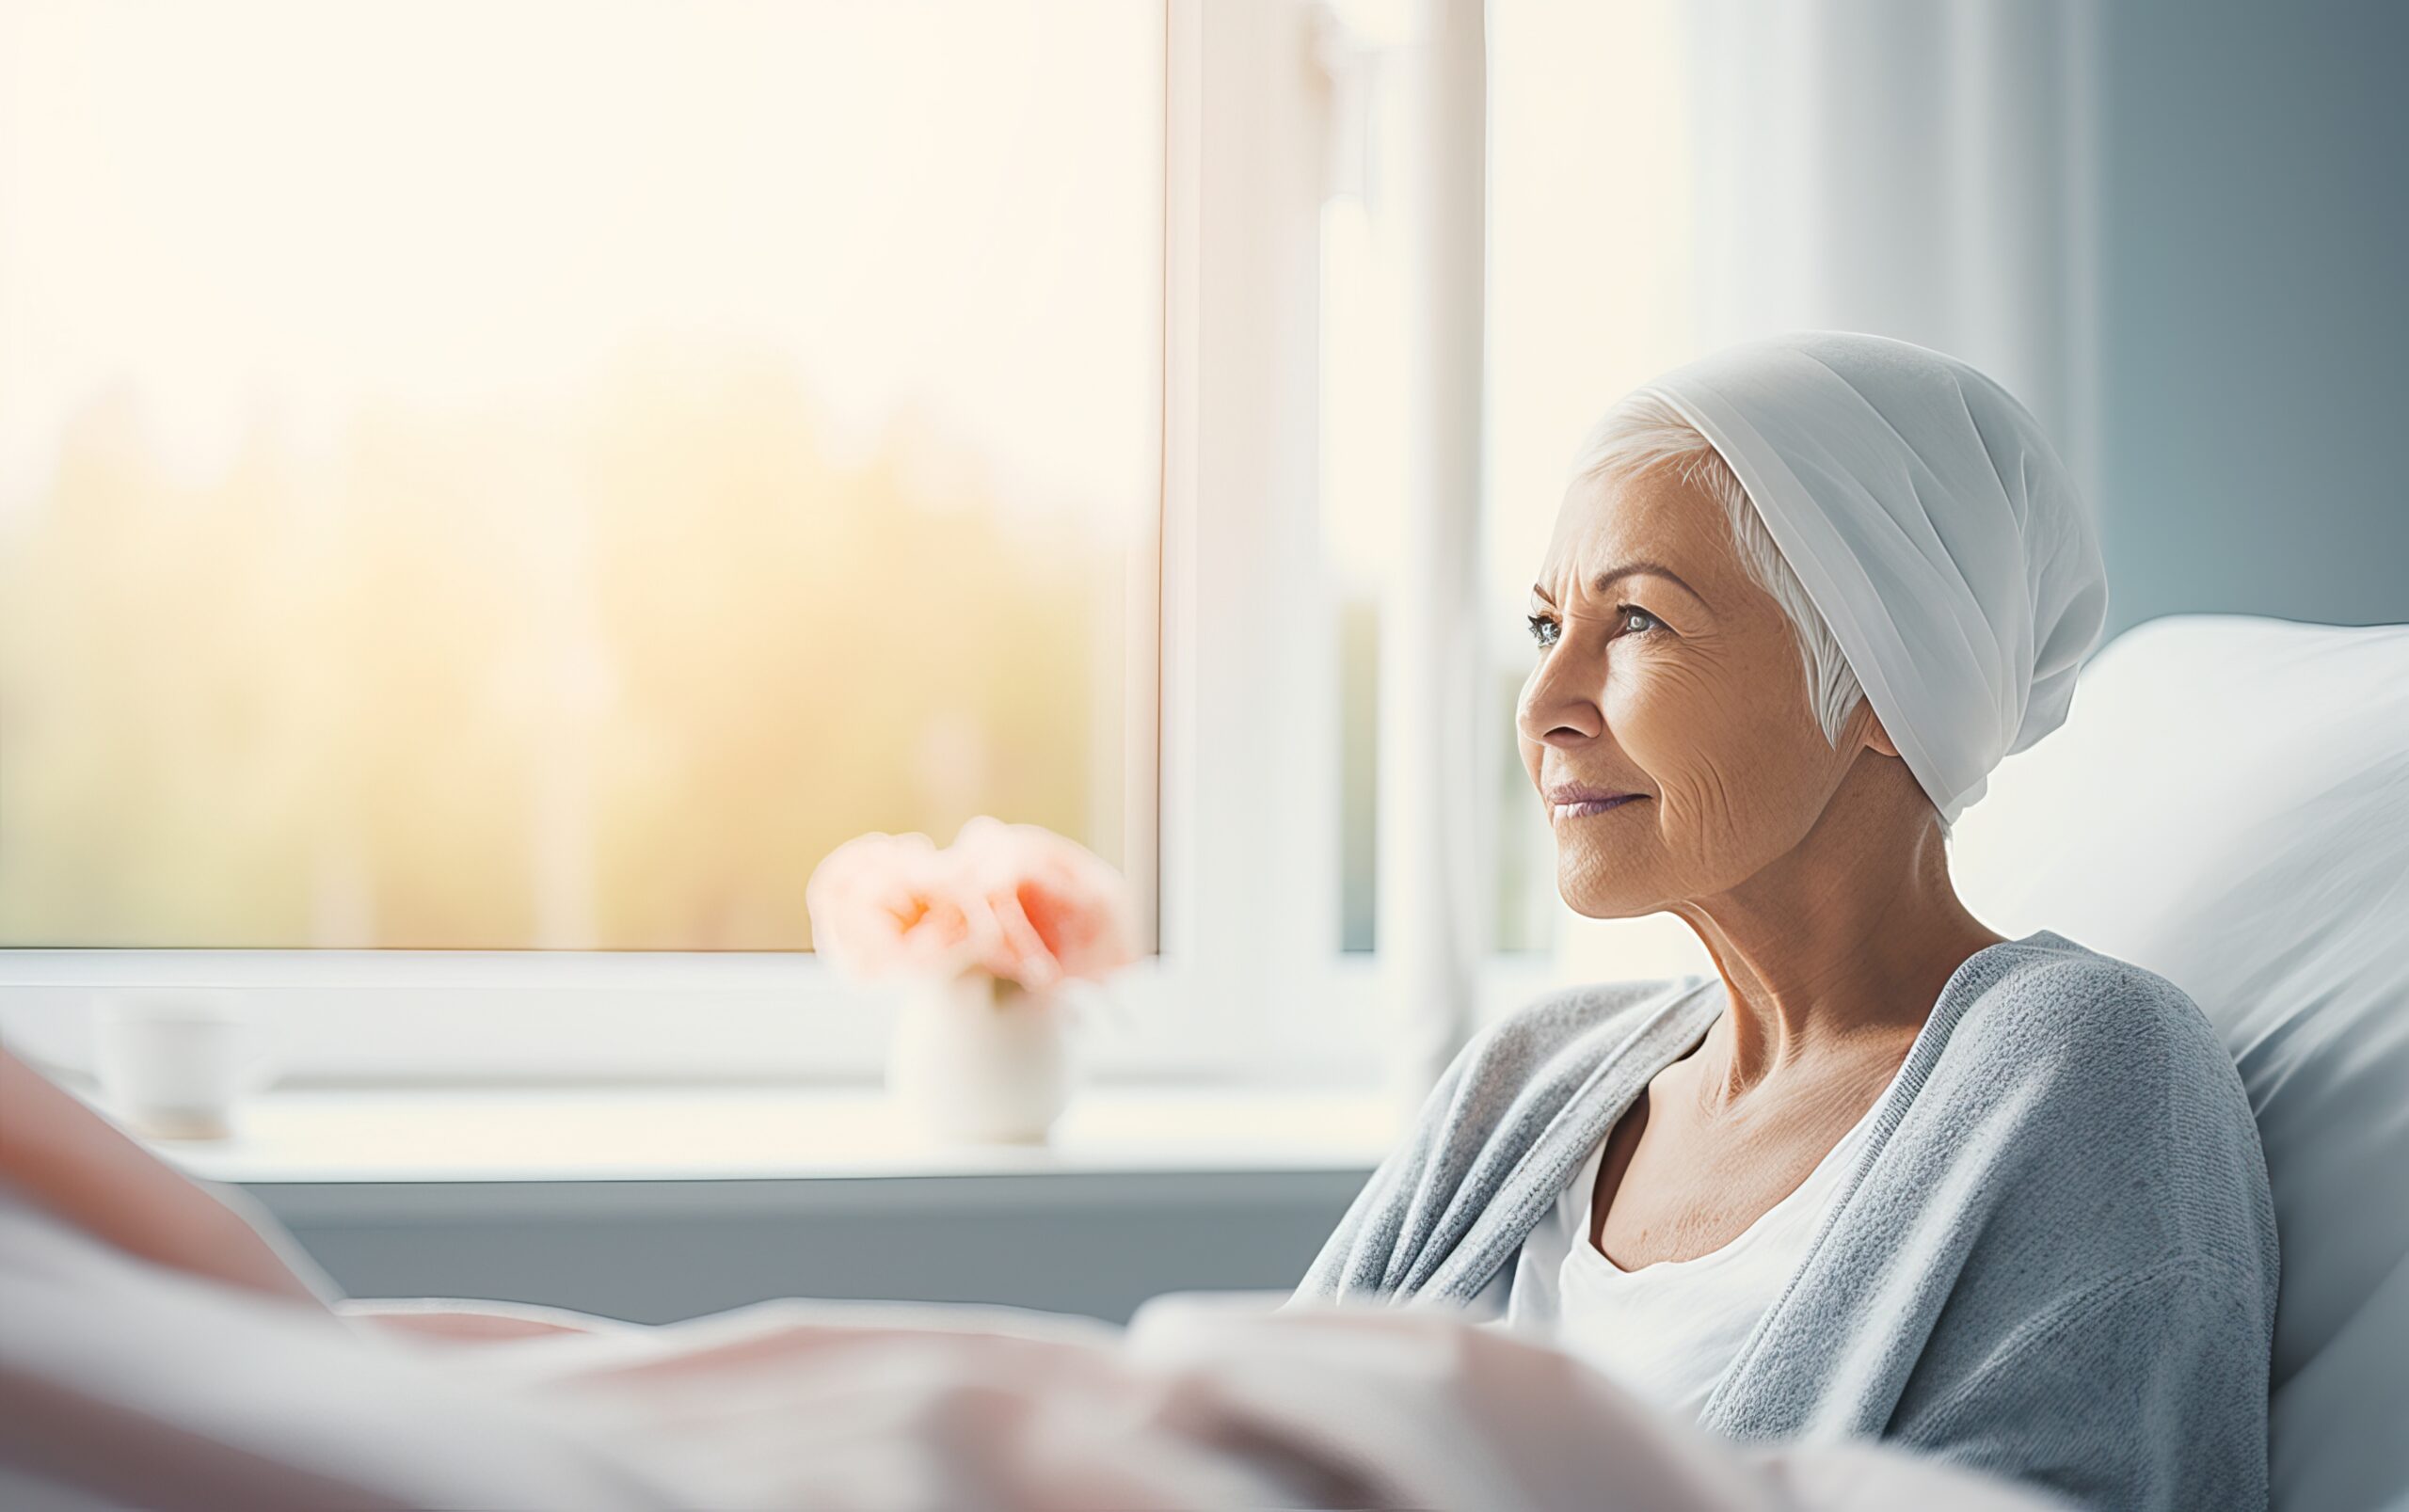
(540,477)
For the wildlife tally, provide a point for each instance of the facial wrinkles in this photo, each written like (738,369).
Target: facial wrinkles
(1676,721)
(1696,822)
(1694,712)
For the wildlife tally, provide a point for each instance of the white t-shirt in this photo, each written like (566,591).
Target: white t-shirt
(1670,1329)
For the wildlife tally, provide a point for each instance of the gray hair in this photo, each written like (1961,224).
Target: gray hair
(1643,432)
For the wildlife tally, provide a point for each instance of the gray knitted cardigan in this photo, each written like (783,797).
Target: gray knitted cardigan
(2054,1259)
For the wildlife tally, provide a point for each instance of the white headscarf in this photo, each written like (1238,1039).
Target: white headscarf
(1930,521)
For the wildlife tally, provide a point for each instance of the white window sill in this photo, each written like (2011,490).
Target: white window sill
(581,1135)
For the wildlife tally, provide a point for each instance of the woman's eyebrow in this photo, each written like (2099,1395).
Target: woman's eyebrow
(1606,580)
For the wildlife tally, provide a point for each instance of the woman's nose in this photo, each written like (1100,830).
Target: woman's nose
(1555,711)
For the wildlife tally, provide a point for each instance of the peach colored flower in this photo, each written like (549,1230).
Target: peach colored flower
(1057,909)
(884,905)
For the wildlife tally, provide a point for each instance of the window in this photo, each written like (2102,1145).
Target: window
(490,495)
(539,476)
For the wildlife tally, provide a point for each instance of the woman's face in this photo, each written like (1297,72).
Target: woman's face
(1680,683)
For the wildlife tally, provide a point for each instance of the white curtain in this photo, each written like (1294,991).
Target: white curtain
(1915,169)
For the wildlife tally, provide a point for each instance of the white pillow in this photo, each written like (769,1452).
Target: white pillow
(2227,804)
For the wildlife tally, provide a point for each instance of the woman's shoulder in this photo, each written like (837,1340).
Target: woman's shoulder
(2091,1072)
(2046,1001)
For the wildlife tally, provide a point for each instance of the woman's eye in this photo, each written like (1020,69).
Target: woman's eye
(1547,632)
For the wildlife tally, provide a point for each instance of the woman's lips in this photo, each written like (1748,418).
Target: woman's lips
(1595,805)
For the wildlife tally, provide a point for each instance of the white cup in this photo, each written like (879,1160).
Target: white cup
(175,1060)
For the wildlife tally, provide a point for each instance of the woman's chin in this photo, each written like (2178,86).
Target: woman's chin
(1609,903)
(1596,911)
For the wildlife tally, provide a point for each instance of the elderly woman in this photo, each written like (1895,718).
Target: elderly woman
(1886,1174)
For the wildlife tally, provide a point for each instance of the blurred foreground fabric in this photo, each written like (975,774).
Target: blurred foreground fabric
(121,1383)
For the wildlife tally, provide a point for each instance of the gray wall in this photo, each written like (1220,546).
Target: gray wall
(2254,307)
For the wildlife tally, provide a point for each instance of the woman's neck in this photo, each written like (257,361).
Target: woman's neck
(1841,946)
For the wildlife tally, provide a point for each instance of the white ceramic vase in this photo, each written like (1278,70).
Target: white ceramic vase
(979,1058)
